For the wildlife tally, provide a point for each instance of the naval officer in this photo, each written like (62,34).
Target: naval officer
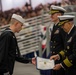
(68,55)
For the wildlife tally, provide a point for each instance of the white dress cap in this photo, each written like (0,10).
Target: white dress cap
(58,8)
(19,18)
(66,17)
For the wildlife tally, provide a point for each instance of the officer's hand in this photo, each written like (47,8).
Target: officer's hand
(34,61)
(57,67)
(55,57)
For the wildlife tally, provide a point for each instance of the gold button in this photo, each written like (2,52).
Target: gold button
(53,52)
(53,46)
(68,47)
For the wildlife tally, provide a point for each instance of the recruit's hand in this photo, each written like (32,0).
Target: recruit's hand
(57,67)
(55,57)
(34,61)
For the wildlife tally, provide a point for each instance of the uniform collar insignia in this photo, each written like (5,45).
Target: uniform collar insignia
(56,32)
(70,39)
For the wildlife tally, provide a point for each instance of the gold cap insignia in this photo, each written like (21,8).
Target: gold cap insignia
(62,22)
(44,62)
(56,32)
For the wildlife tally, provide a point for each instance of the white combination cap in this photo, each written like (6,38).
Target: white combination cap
(18,18)
(58,8)
(65,18)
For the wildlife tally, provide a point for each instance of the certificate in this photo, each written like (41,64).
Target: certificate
(44,64)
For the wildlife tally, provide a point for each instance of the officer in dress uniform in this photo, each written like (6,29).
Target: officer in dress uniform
(68,55)
(57,38)
(9,50)
(56,42)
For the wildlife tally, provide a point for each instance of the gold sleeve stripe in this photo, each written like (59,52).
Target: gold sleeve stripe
(67,62)
(62,53)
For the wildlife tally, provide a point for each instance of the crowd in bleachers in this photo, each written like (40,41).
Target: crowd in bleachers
(28,12)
